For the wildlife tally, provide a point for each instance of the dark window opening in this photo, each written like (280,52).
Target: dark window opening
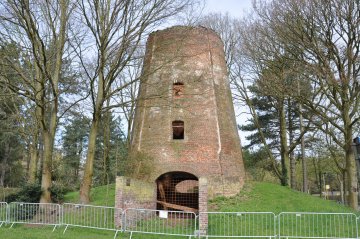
(178,129)
(178,191)
(178,89)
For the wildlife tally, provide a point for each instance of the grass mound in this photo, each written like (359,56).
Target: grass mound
(100,196)
(268,197)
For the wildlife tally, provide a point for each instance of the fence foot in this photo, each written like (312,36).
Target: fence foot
(131,234)
(65,229)
(116,233)
(1,224)
(12,225)
(54,228)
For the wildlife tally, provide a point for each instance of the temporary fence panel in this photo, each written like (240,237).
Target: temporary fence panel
(3,213)
(241,224)
(317,225)
(175,223)
(89,216)
(34,213)
(160,222)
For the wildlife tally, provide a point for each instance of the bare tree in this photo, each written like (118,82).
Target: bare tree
(40,30)
(117,27)
(255,57)
(230,30)
(327,35)
(126,99)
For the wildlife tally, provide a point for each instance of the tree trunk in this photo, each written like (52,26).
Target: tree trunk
(48,141)
(33,160)
(284,153)
(4,163)
(340,178)
(106,143)
(89,165)
(343,188)
(291,154)
(46,168)
(351,178)
(303,159)
(352,186)
(321,187)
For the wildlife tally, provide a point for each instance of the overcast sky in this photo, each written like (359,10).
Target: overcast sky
(235,8)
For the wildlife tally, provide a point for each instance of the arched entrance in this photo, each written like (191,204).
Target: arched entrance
(178,191)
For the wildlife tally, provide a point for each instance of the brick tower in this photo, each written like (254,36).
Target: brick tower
(185,120)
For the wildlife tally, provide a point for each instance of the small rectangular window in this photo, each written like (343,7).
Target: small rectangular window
(178,129)
(178,89)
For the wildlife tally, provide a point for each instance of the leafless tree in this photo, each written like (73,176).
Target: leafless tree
(255,57)
(40,30)
(117,27)
(326,33)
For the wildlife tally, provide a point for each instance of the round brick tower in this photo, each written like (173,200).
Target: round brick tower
(185,120)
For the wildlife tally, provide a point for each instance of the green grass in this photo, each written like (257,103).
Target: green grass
(100,196)
(255,197)
(45,232)
(268,197)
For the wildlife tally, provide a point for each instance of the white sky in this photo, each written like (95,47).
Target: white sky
(235,8)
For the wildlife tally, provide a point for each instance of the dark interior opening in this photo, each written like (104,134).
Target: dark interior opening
(178,129)
(178,191)
(178,89)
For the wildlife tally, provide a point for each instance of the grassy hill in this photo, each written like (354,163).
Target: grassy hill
(255,197)
(100,196)
(268,197)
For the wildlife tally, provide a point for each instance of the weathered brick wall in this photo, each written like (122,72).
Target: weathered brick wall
(203,206)
(211,147)
(133,193)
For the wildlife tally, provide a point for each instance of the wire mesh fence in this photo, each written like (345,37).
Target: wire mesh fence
(3,213)
(34,213)
(97,217)
(317,225)
(176,223)
(241,224)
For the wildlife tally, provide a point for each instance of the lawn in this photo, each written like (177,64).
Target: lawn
(100,196)
(255,197)
(268,197)
(45,232)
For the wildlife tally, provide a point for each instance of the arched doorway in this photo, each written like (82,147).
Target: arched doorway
(178,191)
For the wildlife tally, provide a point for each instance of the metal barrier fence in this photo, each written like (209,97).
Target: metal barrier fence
(174,223)
(241,224)
(96,217)
(3,213)
(159,222)
(34,213)
(317,225)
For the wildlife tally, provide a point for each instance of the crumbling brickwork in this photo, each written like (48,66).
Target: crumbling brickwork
(190,58)
(132,193)
(185,120)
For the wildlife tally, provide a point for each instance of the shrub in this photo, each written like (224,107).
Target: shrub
(29,193)
(58,193)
